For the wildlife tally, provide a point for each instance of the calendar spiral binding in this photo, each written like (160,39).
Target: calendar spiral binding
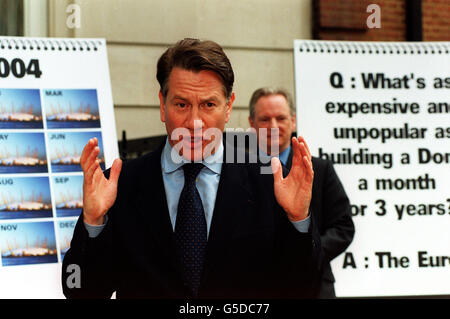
(353,47)
(48,44)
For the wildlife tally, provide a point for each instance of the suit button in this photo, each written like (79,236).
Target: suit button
(314,243)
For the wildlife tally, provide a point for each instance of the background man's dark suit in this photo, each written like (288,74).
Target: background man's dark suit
(331,214)
(253,249)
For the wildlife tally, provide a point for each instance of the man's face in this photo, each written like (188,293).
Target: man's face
(272,111)
(195,102)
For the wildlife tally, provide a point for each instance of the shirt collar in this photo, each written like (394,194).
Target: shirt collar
(171,161)
(283,156)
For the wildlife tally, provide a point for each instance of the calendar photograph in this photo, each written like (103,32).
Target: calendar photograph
(28,243)
(25,197)
(71,108)
(20,109)
(65,233)
(68,195)
(66,147)
(22,153)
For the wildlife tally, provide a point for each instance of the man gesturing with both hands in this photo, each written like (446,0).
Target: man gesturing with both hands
(182,222)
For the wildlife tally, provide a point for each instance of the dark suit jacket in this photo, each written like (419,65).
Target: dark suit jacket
(331,213)
(253,250)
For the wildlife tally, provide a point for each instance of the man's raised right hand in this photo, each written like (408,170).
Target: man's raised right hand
(99,193)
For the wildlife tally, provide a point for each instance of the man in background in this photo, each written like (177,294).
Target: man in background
(330,208)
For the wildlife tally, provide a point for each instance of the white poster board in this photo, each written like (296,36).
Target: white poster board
(55,95)
(381,112)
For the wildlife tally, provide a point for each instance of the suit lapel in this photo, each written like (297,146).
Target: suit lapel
(156,214)
(233,196)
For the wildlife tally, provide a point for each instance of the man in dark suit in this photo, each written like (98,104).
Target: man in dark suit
(272,108)
(182,222)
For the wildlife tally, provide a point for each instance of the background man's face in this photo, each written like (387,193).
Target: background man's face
(272,111)
(194,100)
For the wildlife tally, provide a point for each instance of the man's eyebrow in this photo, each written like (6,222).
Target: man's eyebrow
(177,97)
(211,98)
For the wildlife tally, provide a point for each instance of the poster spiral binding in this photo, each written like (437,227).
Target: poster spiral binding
(345,47)
(48,44)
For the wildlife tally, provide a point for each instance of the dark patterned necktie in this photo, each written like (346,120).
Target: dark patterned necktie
(190,229)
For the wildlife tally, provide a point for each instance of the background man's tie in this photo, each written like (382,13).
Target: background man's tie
(190,229)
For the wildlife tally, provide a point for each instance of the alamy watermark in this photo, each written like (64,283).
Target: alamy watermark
(73,20)
(74,279)
(374,19)
(189,146)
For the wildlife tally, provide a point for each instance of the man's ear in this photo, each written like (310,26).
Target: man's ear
(250,120)
(162,111)
(229,107)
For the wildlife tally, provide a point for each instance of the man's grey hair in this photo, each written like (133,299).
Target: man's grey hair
(266,91)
